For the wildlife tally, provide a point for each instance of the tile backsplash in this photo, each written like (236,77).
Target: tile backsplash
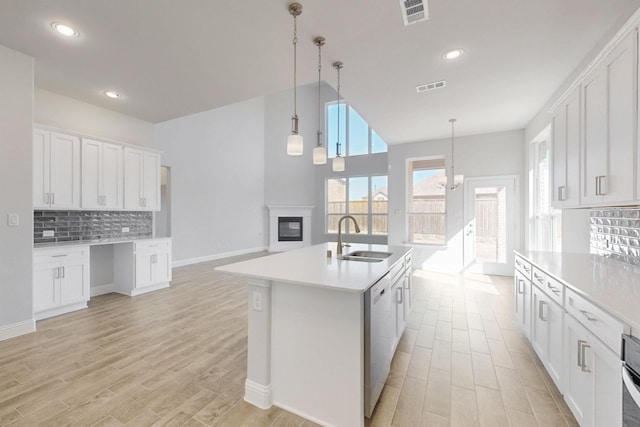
(70,226)
(615,234)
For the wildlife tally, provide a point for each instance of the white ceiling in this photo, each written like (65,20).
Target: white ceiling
(172,58)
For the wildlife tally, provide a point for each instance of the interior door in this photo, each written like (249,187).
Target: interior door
(491,225)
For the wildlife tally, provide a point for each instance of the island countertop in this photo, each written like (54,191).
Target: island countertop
(310,266)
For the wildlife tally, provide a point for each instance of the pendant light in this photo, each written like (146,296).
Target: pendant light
(457,180)
(338,161)
(294,141)
(320,151)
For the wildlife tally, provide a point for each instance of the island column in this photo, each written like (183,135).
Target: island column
(258,389)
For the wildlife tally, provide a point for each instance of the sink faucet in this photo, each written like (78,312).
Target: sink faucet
(339,246)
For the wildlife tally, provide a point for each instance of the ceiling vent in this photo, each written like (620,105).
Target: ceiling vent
(431,86)
(414,11)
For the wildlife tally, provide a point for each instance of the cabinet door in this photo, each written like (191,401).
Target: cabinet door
(41,171)
(573,132)
(555,348)
(65,171)
(540,323)
(91,172)
(559,158)
(132,179)
(522,303)
(73,288)
(397,302)
(595,146)
(579,377)
(407,294)
(112,177)
(607,384)
(151,181)
(46,286)
(622,82)
(144,270)
(161,268)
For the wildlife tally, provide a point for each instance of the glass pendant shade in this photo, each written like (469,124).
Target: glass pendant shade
(338,164)
(294,145)
(457,180)
(319,155)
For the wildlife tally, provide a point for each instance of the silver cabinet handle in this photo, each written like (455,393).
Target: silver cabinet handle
(56,273)
(601,185)
(53,198)
(554,289)
(541,310)
(538,278)
(400,300)
(521,286)
(589,316)
(562,193)
(63,272)
(582,356)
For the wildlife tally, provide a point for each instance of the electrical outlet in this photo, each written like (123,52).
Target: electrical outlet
(13,220)
(125,229)
(48,233)
(256,301)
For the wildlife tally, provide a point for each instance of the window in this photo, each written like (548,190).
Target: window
(426,201)
(356,136)
(364,197)
(546,225)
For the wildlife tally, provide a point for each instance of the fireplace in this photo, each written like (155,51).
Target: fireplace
(290,229)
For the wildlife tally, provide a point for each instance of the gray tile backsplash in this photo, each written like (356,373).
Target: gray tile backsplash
(90,225)
(615,234)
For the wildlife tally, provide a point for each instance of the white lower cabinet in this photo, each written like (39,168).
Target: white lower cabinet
(593,381)
(143,266)
(60,280)
(547,322)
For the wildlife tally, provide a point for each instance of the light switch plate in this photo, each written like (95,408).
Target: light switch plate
(13,220)
(48,233)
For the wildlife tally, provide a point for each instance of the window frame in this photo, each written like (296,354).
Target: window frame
(408,198)
(346,151)
(370,215)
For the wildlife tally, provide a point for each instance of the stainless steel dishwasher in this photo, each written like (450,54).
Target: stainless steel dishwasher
(377,341)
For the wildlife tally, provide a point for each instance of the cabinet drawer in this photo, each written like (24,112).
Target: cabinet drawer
(64,255)
(604,326)
(547,284)
(523,266)
(154,246)
(396,270)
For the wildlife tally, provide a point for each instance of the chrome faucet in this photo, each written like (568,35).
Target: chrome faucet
(339,246)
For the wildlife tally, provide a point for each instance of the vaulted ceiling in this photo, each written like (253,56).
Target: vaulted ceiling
(172,58)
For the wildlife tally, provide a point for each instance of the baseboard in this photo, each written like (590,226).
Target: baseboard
(16,329)
(301,414)
(103,289)
(183,262)
(258,394)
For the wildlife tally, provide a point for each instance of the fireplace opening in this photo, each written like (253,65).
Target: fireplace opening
(290,229)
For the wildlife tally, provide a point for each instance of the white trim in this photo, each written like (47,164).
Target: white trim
(45,314)
(303,414)
(102,289)
(258,395)
(189,261)
(138,291)
(16,329)
(624,31)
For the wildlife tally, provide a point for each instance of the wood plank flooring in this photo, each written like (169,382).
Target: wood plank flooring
(177,357)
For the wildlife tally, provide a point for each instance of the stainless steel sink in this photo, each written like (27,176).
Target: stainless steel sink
(366,256)
(359,258)
(370,254)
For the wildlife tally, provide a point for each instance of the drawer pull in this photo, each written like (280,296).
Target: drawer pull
(589,316)
(520,286)
(58,256)
(538,278)
(554,289)
(542,306)
(582,355)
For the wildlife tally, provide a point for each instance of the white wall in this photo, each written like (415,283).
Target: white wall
(70,114)
(217,162)
(478,155)
(16,243)
(288,179)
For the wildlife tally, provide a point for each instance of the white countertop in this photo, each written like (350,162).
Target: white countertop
(94,242)
(310,266)
(611,285)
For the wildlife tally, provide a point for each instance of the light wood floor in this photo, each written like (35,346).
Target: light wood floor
(178,357)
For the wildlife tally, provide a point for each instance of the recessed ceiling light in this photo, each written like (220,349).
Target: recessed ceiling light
(112,94)
(453,54)
(65,30)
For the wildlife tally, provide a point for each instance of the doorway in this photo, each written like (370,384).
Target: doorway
(163,217)
(491,215)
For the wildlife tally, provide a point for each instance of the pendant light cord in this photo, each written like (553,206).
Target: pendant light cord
(295,82)
(319,143)
(338,109)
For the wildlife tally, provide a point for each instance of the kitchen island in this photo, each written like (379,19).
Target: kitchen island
(308,337)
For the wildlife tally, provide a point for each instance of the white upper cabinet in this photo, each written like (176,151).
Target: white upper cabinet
(566,152)
(56,170)
(102,175)
(610,119)
(141,180)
